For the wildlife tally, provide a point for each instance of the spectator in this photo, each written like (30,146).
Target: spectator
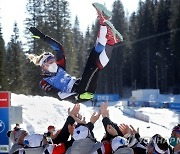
(21,139)
(106,121)
(84,140)
(14,137)
(52,133)
(157,144)
(138,144)
(64,134)
(37,143)
(175,139)
(119,145)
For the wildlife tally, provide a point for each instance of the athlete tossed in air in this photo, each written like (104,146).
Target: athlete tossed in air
(57,80)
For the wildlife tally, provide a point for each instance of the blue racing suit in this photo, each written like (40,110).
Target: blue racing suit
(61,81)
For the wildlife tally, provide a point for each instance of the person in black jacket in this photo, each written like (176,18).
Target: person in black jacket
(64,134)
(83,139)
(174,140)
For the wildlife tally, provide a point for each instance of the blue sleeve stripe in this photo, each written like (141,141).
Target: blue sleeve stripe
(99,48)
(55,46)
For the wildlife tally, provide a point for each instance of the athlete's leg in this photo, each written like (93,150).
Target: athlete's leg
(100,54)
(106,37)
(112,37)
(91,70)
(90,75)
(103,13)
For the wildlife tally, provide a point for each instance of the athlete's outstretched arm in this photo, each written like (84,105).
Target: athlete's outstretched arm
(56,46)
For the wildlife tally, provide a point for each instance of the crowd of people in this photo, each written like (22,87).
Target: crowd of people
(77,137)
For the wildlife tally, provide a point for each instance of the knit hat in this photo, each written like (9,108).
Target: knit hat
(118,142)
(15,135)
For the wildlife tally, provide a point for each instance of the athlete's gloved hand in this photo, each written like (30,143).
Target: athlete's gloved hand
(37,33)
(45,86)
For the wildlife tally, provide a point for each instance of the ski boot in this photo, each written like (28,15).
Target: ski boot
(86,96)
(113,36)
(103,13)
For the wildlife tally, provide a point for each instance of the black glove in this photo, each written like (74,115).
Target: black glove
(37,32)
(45,85)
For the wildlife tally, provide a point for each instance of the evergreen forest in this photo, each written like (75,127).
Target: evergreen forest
(148,58)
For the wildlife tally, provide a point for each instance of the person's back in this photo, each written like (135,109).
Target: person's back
(125,150)
(33,150)
(15,148)
(83,146)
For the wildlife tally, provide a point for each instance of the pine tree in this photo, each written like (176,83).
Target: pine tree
(71,60)
(79,48)
(146,30)
(132,35)
(175,45)
(163,47)
(13,62)
(35,9)
(143,31)
(2,60)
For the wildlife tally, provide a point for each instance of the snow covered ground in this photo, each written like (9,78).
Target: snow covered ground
(40,112)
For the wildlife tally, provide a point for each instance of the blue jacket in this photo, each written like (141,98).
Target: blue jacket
(60,80)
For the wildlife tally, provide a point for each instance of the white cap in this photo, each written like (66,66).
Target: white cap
(157,148)
(44,57)
(118,142)
(80,132)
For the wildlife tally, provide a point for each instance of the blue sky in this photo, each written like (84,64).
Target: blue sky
(11,11)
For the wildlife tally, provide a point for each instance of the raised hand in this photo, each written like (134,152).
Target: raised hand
(133,131)
(95,117)
(128,130)
(103,109)
(111,130)
(79,119)
(75,111)
(124,129)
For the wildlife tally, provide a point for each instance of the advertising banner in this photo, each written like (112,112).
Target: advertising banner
(4,121)
(4,99)
(107,97)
